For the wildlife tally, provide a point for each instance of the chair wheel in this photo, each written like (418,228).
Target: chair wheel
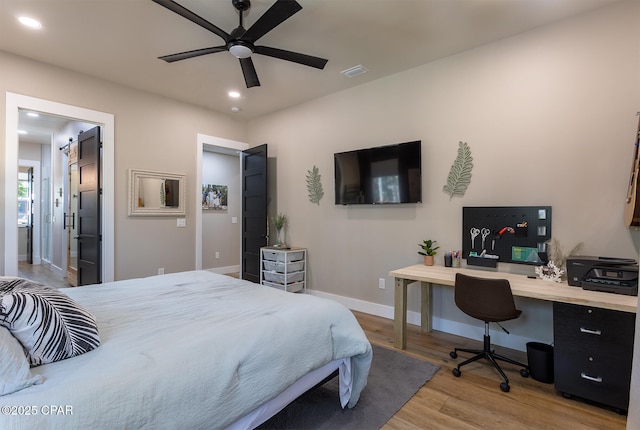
(456,372)
(505,387)
(453,354)
(524,373)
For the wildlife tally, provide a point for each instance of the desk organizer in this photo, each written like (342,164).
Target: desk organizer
(482,261)
(516,234)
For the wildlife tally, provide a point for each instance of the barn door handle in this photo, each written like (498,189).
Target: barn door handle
(73,221)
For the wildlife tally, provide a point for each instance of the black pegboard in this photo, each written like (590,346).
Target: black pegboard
(516,234)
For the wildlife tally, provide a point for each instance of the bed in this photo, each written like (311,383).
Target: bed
(192,350)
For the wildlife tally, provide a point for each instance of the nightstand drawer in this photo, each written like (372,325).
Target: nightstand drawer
(286,257)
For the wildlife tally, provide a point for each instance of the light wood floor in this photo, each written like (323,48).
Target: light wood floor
(474,400)
(41,273)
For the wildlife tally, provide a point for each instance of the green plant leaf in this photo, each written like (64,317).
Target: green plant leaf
(314,185)
(460,173)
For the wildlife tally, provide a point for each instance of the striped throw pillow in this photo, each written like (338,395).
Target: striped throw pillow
(49,325)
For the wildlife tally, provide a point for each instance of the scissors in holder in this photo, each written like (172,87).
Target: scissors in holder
(474,233)
(485,232)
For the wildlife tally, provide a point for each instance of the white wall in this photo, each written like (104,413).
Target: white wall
(549,116)
(219,233)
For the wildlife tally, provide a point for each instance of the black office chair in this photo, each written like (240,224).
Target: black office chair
(489,300)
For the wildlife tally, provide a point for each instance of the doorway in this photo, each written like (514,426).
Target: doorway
(51,141)
(214,144)
(16,102)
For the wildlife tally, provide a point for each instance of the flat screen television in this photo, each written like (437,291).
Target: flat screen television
(382,175)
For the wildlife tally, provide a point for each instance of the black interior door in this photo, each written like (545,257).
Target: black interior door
(89,211)
(254,210)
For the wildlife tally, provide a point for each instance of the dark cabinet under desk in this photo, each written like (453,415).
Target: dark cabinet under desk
(593,353)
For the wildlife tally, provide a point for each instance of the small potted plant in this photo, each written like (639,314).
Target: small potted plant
(279,222)
(428,250)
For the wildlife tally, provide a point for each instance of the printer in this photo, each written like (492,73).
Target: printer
(611,275)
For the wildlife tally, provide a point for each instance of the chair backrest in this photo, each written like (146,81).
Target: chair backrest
(485,299)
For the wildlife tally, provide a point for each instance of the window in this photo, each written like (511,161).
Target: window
(24,199)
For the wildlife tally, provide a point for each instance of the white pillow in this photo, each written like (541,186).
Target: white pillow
(14,367)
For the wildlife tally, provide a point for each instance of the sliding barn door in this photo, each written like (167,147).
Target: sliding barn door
(254,210)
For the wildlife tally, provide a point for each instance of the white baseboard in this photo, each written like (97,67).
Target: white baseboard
(54,268)
(475,332)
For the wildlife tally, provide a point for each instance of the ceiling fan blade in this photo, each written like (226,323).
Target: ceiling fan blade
(191,54)
(296,57)
(249,72)
(197,19)
(280,11)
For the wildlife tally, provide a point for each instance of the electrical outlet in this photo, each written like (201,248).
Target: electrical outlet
(381,283)
(217,254)
(161,271)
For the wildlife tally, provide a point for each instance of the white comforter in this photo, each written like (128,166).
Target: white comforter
(188,350)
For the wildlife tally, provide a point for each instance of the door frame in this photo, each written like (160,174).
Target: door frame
(226,146)
(14,102)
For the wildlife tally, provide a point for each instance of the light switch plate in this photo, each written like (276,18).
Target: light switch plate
(182,222)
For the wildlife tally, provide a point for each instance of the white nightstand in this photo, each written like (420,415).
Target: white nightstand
(284,268)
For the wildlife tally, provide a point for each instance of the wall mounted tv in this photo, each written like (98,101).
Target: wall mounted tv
(382,175)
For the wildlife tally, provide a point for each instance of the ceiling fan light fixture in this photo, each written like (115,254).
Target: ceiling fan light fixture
(239,50)
(241,42)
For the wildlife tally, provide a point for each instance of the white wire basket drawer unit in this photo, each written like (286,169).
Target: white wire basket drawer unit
(285,269)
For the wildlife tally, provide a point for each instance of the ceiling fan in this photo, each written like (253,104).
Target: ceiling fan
(240,42)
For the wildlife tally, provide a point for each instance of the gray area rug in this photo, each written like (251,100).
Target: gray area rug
(394,378)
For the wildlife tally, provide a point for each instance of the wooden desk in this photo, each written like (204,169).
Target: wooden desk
(521,286)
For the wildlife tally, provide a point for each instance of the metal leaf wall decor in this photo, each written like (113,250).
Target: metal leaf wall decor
(314,185)
(460,173)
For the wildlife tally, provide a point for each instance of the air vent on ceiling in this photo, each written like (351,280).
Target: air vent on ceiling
(354,71)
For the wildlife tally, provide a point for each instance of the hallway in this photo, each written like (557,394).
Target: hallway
(40,273)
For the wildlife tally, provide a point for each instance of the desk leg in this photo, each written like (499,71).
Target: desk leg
(425,307)
(400,313)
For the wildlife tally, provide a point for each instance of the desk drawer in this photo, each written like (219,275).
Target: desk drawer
(606,381)
(591,329)
(593,353)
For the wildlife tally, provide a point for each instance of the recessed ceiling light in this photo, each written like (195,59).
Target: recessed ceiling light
(32,114)
(234,94)
(235,109)
(22,132)
(30,22)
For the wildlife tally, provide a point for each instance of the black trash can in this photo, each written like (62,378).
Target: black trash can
(540,358)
